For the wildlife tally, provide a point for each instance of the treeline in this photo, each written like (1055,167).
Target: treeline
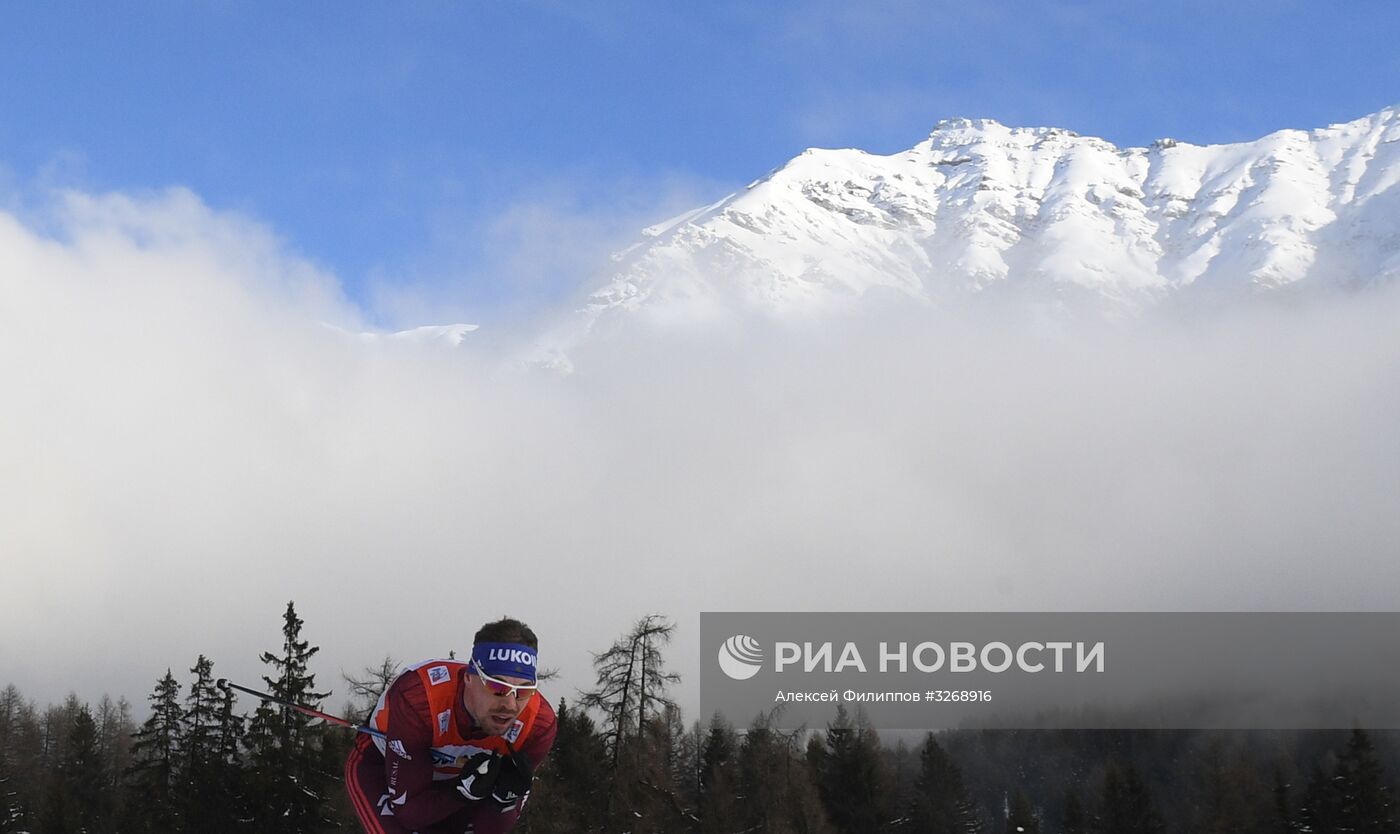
(194,765)
(626,761)
(638,768)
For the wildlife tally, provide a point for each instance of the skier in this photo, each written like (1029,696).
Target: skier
(461,741)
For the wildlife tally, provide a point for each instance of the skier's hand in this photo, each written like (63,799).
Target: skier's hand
(479,776)
(513,783)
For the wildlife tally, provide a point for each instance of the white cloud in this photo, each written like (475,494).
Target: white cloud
(533,255)
(186,445)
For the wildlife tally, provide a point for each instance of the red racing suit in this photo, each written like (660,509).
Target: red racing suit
(407,781)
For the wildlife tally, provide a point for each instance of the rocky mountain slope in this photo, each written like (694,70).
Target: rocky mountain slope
(980,208)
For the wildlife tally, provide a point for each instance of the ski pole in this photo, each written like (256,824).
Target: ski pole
(226,684)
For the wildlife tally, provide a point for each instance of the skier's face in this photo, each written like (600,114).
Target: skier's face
(492,706)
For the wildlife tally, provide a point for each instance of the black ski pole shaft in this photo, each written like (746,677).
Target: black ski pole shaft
(225,683)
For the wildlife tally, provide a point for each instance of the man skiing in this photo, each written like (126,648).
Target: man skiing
(460,741)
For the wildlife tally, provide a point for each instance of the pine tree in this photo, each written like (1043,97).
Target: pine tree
(719,782)
(941,802)
(199,726)
(1282,822)
(850,775)
(1319,812)
(567,796)
(776,789)
(1127,804)
(18,760)
(1073,820)
(682,757)
(1227,794)
(1365,803)
(1021,817)
(231,775)
(208,782)
(288,770)
(156,762)
(686,744)
(903,768)
(77,800)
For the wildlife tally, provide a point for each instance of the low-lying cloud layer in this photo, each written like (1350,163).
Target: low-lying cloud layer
(190,439)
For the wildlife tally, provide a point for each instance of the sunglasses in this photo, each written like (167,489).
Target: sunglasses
(501,688)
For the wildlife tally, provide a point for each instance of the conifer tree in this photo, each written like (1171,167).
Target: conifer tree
(289,773)
(692,761)
(1020,816)
(18,729)
(156,762)
(1227,795)
(566,796)
(228,761)
(719,782)
(1282,822)
(77,800)
(682,753)
(941,802)
(1127,804)
(776,789)
(850,775)
(761,770)
(1319,811)
(1365,803)
(903,768)
(208,779)
(232,727)
(1073,820)
(199,724)
(11,806)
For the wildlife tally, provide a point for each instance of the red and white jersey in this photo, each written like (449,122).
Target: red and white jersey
(453,740)
(428,738)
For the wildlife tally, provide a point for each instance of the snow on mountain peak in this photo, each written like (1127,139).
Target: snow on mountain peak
(979,207)
(450,335)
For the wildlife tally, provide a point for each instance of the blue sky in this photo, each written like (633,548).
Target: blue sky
(477,159)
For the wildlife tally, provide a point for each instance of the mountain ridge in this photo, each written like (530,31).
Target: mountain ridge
(979,207)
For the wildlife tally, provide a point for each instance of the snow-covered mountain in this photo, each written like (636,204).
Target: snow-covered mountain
(982,208)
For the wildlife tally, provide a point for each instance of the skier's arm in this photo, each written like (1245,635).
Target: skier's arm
(415,798)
